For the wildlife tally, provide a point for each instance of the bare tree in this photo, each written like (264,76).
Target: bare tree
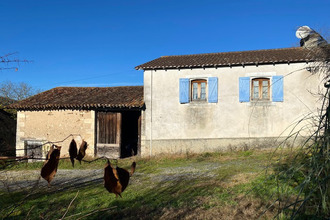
(17,91)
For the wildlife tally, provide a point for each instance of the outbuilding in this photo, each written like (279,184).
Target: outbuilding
(107,118)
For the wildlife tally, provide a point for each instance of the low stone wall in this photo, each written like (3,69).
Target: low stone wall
(183,146)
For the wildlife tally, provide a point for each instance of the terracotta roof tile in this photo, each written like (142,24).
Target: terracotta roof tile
(84,98)
(253,57)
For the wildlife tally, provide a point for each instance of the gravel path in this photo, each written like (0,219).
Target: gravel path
(24,180)
(66,178)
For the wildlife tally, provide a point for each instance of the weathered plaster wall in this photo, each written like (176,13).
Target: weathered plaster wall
(174,127)
(55,126)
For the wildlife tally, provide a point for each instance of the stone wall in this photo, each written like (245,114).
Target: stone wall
(173,127)
(54,126)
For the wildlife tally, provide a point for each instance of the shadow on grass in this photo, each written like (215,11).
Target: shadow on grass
(145,200)
(150,195)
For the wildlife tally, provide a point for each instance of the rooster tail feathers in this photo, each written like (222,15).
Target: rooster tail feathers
(72,161)
(132,168)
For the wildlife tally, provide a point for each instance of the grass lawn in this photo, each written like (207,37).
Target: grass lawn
(228,185)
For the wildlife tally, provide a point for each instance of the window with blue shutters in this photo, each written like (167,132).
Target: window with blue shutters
(256,89)
(198,90)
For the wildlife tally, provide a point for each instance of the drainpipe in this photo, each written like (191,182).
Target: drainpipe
(150,146)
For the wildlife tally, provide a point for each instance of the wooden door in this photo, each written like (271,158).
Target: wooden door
(108,134)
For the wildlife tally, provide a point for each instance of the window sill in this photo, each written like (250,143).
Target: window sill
(261,103)
(198,102)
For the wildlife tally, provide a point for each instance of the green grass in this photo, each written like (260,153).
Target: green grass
(199,185)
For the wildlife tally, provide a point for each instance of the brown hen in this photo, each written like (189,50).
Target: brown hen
(73,151)
(116,179)
(82,151)
(49,168)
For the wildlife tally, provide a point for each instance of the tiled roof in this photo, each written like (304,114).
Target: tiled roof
(253,57)
(84,98)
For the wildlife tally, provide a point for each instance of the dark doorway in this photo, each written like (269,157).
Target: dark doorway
(130,136)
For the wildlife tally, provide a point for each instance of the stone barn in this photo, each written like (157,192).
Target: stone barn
(108,119)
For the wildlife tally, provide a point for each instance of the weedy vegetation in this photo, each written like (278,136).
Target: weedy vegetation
(226,185)
(308,168)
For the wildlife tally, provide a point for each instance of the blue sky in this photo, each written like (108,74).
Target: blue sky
(99,42)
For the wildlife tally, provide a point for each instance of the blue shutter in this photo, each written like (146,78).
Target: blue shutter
(244,89)
(277,88)
(184,90)
(213,90)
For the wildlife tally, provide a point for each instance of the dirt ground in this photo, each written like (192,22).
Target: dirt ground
(23,180)
(11,181)
(67,179)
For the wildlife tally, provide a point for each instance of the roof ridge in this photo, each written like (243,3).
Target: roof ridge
(258,57)
(91,87)
(242,51)
(84,97)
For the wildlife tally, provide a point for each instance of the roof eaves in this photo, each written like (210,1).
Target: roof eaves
(226,64)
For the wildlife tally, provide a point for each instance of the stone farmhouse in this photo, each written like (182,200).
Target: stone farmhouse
(216,101)
(188,103)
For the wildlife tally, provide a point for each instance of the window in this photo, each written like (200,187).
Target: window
(198,90)
(260,89)
(34,149)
